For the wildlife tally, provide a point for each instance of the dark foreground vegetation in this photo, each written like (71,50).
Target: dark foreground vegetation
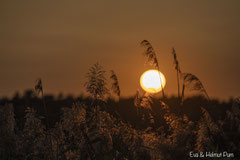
(80,129)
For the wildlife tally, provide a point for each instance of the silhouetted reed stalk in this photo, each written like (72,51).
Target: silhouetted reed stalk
(39,89)
(193,83)
(177,67)
(152,59)
(115,88)
(96,86)
(115,84)
(189,80)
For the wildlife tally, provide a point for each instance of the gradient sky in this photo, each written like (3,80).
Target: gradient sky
(60,40)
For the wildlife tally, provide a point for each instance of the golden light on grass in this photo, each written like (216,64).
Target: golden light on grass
(150,81)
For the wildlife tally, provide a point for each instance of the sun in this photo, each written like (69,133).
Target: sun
(150,81)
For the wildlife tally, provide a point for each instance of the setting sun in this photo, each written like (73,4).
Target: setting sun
(150,81)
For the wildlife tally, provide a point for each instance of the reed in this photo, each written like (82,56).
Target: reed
(115,84)
(191,82)
(151,58)
(177,67)
(39,90)
(147,101)
(96,82)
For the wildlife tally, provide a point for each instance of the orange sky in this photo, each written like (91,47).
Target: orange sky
(59,40)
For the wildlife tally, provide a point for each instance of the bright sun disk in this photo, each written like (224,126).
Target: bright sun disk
(150,81)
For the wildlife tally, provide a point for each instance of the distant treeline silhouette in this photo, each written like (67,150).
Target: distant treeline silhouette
(125,106)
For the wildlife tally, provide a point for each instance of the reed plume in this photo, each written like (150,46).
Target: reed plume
(177,67)
(115,84)
(191,82)
(96,84)
(144,101)
(38,86)
(150,54)
(151,58)
(147,101)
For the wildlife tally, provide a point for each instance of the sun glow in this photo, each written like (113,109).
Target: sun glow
(150,81)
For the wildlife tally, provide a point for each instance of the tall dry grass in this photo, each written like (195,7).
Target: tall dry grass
(177,67)
(115,85)
(191,82)
(152,58)
(96,82)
